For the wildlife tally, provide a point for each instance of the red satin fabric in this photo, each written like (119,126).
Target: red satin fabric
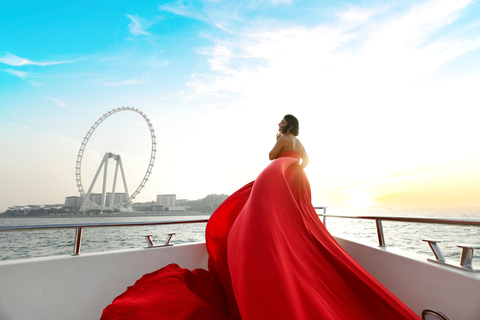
(270,257)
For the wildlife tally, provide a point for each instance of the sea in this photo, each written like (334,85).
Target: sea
(402,235)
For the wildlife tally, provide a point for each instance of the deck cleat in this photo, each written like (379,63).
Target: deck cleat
(467,256)
(166,244)
(465,259)
(436,250)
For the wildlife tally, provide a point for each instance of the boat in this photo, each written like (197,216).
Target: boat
(80,286)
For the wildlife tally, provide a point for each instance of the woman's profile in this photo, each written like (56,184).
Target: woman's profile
(270,257)
(288,130)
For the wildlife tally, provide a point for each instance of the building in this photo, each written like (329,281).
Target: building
(193,205)
(207,204)
(177,209)
(73,202)
(119,198)
(214,200)
(181,202)
(95,198)
(150,206)
(167,200)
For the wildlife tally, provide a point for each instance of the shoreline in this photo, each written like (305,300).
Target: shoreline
(109,215)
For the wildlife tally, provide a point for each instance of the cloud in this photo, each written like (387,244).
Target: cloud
(396,50)
(20,74)
(126,82)
(207,12)
(357,14)
(138,25)
(378,84)
(58,102)
(13,60)
(180,9)
(275,2)
(156,62)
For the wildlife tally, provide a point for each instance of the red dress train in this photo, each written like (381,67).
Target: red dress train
(270,257)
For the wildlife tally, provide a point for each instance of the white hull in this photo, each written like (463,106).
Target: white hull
(79,287)
(418,283)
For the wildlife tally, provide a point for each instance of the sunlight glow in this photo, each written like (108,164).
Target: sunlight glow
(359,197)
(385,92)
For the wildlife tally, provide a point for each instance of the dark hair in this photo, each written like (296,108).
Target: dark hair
(292,124)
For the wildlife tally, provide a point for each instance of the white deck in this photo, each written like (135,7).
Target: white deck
(80,287)
(418,283)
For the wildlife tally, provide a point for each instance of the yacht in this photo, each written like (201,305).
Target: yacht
(79,286)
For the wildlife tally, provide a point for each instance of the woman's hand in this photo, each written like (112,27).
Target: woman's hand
(279,145)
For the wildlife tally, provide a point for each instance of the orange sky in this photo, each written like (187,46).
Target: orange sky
(455,184)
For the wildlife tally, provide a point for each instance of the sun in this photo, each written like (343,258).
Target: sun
(359,197)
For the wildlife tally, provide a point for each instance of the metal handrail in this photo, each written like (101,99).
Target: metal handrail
(468,222)
(94,225)
(467,249)
(79,228)
(379,219)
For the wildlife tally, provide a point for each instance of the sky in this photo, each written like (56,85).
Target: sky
(386,93)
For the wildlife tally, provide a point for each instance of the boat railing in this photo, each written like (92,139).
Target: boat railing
(80,226)
(467,249)
(465,260)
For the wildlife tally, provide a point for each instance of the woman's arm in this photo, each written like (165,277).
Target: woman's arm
(304,157)
(278,147)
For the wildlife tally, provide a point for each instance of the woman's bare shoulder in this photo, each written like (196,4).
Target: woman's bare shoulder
(299,143)
(283,139)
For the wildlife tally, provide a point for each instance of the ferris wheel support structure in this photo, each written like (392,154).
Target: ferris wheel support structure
(104,165)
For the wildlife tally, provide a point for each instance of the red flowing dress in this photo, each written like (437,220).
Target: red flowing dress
(270,257)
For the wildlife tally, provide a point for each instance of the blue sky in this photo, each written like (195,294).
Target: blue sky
(385,92)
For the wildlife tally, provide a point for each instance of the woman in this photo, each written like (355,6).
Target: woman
(286,140)
(270,257)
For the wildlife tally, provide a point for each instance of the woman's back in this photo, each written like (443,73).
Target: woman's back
(294,144)
(290,153)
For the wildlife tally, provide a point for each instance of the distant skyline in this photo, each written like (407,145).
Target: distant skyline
(72,202)
(385,92)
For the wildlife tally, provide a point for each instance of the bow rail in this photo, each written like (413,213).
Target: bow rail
(467,249)
(79,228)
(465,263)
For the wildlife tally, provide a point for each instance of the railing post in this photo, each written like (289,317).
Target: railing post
(78,241)
(381,238)
(325,216)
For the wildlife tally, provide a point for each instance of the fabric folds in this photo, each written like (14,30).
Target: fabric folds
(270,257)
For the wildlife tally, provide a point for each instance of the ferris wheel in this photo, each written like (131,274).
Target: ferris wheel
(125,136)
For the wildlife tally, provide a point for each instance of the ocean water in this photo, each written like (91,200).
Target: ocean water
(402,235)
(24,245)
(408,235)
